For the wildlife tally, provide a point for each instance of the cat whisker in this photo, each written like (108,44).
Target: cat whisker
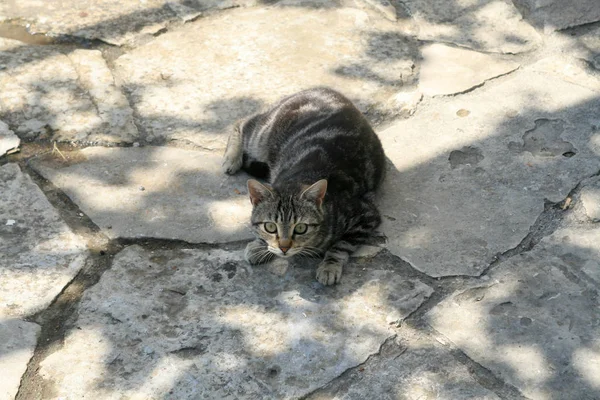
(265,256)
(310,252)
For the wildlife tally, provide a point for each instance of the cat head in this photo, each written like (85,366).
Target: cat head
(288,223)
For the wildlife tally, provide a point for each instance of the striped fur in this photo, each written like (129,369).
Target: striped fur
(322,161)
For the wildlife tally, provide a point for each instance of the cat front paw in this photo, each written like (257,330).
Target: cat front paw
(231,163)
(257,252)
(329,273)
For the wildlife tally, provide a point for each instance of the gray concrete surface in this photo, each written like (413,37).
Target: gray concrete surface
(198,100)
(66,97)
(535,322)
(121,271)
(154,192)
(470,173)
(39,254)
(8,140)
(204,324)
(16,348)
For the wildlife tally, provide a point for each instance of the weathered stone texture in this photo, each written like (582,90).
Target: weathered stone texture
(116,22)
(8,140)
(194,83)
(489,25)
(411,369)
(552,15)
(39,254)
(49,95)
(194,323)
(17,342)
(536,322)
(448,70)
(590,198)
(570,69)
(467,183)
(156,192)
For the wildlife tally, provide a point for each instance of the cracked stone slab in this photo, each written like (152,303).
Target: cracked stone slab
(494,26)
(39,254)
(271,53)
(470,174)
(203,323)
(154,192)
(111,104)
(536,322)
(406,369)
(8,140)
(552,15)
(17,343)
(590,198)
(117,22)
(49,95)
(448,70)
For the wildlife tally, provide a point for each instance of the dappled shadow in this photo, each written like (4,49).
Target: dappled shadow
(536,323)
(237,342)
(182,355)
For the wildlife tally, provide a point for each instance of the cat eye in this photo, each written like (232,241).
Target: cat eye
(270,227)
(300,229)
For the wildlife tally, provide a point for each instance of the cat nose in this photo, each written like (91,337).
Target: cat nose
(284,249)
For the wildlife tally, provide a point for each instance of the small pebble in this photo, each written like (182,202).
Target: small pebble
(463,113)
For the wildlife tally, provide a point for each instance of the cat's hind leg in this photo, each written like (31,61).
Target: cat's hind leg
(329,271)
(234,153)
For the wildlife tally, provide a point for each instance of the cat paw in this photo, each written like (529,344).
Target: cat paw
(329,274)
(231,164)
(257,252)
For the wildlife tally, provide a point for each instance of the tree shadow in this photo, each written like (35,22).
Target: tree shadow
(199,341)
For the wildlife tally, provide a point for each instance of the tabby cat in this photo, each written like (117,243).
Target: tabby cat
(322,161)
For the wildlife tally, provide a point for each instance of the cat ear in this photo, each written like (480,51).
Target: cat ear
(315,192)
(258,191)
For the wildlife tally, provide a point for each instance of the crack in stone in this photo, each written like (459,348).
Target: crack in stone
(482,375)
(545,224)
(473,88)
(54,320)
(356,367)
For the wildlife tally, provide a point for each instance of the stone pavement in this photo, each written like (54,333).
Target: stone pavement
(121,268)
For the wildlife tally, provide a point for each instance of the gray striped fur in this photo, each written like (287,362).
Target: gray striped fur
(322,161)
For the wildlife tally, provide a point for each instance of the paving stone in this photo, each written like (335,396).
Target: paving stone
(271,53)
(404,104)
(536,323)
(112,105)
(552,15)
(582,43)
(589,47)
(8,140)
(116,22)
(156,192)
(204,324)
(39,254)
(449,70)
(470,174)
(570,69)
(590,198)
(17,343)
(417,368)
(49,95)
(384,7)
(489,25)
